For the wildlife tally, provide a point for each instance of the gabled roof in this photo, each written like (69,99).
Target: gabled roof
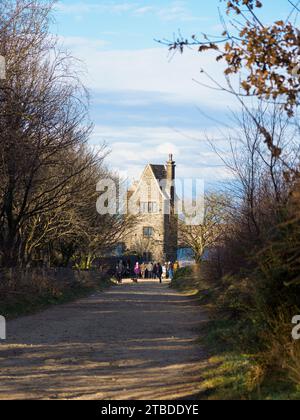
(159,172)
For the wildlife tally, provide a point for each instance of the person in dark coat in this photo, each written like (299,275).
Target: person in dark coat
(154,272)
(119,272)
(159,272)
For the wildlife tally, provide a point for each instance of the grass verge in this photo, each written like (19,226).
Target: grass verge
(231,373)
(27,298)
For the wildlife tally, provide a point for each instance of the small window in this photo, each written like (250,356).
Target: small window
(151,207)
(148,232)
(144,208)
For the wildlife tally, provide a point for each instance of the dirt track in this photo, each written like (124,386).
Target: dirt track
(132,342)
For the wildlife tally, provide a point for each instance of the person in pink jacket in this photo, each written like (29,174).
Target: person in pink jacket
(137,271)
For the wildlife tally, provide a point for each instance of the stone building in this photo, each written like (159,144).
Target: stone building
(152,199)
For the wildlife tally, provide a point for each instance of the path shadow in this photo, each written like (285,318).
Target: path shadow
(133,342)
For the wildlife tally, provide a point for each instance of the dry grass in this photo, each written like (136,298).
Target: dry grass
(23,292)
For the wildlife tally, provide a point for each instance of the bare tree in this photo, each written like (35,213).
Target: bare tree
(48,171)
(141,246)
(203,237)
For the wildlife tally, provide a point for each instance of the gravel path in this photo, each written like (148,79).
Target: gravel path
(133,342)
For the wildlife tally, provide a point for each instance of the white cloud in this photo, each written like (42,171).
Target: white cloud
(177,11)
(140,11)
(81,8)
(174,11)
(81,43)
(150,75)
(166,148)
(156,135)
(133,147)
(151,70)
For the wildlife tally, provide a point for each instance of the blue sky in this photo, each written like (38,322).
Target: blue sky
(144,102)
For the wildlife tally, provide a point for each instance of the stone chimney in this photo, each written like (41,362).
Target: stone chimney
(171,166)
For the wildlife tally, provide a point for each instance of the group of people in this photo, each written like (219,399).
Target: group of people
(148,271)
(151,270)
